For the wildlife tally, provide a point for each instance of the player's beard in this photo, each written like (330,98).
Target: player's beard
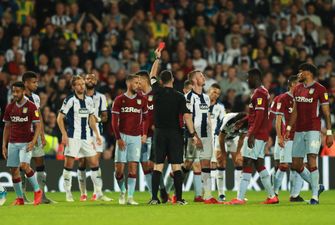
(90,86)
(18,99)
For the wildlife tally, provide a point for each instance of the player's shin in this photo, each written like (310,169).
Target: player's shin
(81,174)
(306,175)
(97,180)
(296,183)
(120,181)
(67,179)
(131,185)
(41,177)
(237,177)
(315,182)
(32,180)
(206,181)
(197,184)
(279,178)
(169,182)
(148,179)
(220,180)
(246,177)
(266,181)
(17,185)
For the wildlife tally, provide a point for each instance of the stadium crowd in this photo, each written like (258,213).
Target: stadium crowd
(223,38)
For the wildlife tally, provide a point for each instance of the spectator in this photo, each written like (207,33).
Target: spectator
(199,63)
(106,57)
(158,28)
(60,19)
(231,82)
(74,68)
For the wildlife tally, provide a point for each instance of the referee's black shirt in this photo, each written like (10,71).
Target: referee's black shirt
(169,105)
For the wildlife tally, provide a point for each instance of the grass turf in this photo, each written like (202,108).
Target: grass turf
(195,213)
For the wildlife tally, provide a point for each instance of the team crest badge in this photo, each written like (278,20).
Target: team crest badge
(25,110)
(37,113)
(259,101)
(278,105)
(311,91)
(150,97)
(139,101)
(326,96)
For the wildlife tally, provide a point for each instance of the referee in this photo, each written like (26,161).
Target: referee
(169,106)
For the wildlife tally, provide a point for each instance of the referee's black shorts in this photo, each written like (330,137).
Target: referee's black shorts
(168,144)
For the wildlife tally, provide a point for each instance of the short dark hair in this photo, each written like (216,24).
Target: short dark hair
(166,76)
(131,77)
(187,83)
(216,85)
(28,75)
(144,74)
(308,67)
(18,84)
(255,72)
(292,79)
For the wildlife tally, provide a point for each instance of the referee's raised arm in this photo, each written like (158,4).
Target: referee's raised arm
(170,111)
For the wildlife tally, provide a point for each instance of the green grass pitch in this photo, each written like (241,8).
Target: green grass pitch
(100,213)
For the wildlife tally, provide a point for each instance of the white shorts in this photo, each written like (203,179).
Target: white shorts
(307,142)
(256,152)
(80,148)
(216,147)
(17,153)
(205,153)
(38,150)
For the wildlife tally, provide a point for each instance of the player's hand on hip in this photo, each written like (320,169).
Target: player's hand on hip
(281,142)
(144,139)
(30,146)
(4,152)
(99,140)
(329,140)
(65,140)
(251,141)
(44,142)
(121,144)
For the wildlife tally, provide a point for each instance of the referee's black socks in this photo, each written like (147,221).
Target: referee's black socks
(156,177)
(178,184)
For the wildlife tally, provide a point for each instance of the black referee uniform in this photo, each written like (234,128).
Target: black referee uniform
(169,107)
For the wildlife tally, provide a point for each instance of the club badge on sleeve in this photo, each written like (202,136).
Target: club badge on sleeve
(326,96)
(37,114)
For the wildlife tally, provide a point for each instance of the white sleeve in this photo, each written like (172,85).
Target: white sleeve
(90,106)
(103,103)
(37,101)
(67,105)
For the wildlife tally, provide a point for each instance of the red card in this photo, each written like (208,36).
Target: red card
(161,45)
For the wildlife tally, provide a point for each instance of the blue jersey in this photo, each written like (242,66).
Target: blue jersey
(77,112)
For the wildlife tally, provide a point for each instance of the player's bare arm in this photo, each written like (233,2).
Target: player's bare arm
(329,135)
(278,130)
(240,143)
(60,122)
(92,123)
(292,121)
(190,127)
(155,66)
(5,139)
(222,137)
(37,129)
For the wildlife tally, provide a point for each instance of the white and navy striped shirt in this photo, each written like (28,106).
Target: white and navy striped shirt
(100,105)
(199,107)
(217,112)
(60,20)
(35,99)
(77,112)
